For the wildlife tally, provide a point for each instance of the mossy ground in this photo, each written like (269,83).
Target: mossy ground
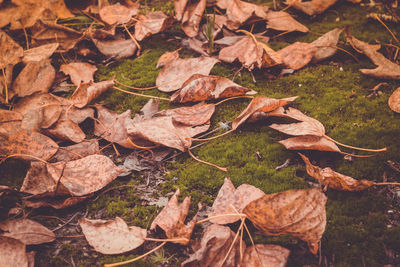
(334,92)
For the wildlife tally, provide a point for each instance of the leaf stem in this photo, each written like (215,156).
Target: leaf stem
(234,97)
(357,148)
(148,96)
(214,137)
(205,162)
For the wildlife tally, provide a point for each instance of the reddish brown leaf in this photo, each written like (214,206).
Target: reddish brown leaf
(166,58)
(80,72)
(10,52)
(77,151)
(198,114)
(118,14)
(39,53)
(8,115)
(310,142)
(172,220)
(326,45)
(56,203)
(112,236)
(86,92)
(151,23)
(214,246)
(116,49)
(27,231)
(297,55)
(335,180)
(261,255)
(297,212)
(282,21)
(192,17)
(66,130)
(312,7)
(394,101)
(176,70)
(19,17)
(202,87)
(179,6)
(12,252)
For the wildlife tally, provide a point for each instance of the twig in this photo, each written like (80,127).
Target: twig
(133,38)
(67,222)
(233,243)
(387,28)
(205,162)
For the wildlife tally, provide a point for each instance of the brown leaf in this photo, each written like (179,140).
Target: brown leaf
(214,246)
(312,7)
(386,69)
(39,53)
(12,252)
(202,87)
(80,72)
(172,220)
(86,92)
(118,14)
(56,203)
(179,6)
(166,58)
(27,231)
(394,101)
(260,104)
(66,130)
(10,52)
(9,115)
(77,151)
(261,255)
(116,49)
(282,21)
(198,114)
(176,71)
(34,77)
(297,212)
(112,236)
(297,55)
(151,23)
(232,201)
(310,142)
(326,45)
(335,180)
(192,17)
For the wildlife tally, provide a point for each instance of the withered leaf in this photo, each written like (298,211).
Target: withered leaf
(86,92)
(192,17)
(309,142)
(66,130)
(151,23)
(282,21)
(297,55)
(112,236)
(118,14)
(179,6)
(335,180)
(116,49)
(386,69)
(394,101)
(214,246)
(312,7)
(39,53)
(326,45)
(198,114)
(34,77)
(202,87)
(297,212)
(27,231)
(261,255)
(166,58)
(12,252)
(172,220)
(80,72)
(176,71)
(77,151)
(10,52)
(54,202)
(9,115)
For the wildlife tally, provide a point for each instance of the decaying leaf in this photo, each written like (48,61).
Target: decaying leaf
(202,87)
(394,101)
(335,180)
(151,23)
(86,92)
(12,252)
(282,21)
(118,14)
(66,130)
(310,142)
(10,52)
(198,114)
(214,246)
(386,69)
(192,17)
(312,7)
(261,255)
(116,49)
(297,55)
(172,220)
(9,115)
(176,70)
(39,53)
(77,151)
(27,231)
(54,202)
(80,72)
(112,236)
(297,212)
(326,45)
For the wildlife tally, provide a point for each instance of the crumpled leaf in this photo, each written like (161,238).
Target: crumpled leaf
(172,220)
(116,49)
(297,55)
(386,69)
(202,87)
(39,53)
(80,72)
(77,151)
(112,236)
(335,180)
(192,17)
(232,201)
(312,7)
(298,212)
(66,130)
(282,21)
(214,246)
(176,70)
(261,255)
(86,92)
(394,101)
(118,14)
(12,252)
(260,104)
(10,52)
(326,45)
(151,23)
(198,114)
(34,77)
(27,231)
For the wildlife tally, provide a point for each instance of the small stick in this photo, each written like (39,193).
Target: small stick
(387,28)
(388,183)
(133,38)
(148,96)
(166,240)
(356,156)
(5,84)
(205,162)
(214,137)
(353,147)
(233,243)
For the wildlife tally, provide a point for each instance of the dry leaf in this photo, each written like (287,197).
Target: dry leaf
(297,55)
(27,231)
(335,180)
(77,151)
(151,23)
(326,45)
(202,87)
(214,246)
(80,72)
(116,49)
(297,212)
(86,92)
(10,52)
(172,220)
(394,101)
(118,14)
(261,255)
(12,252)
(34,77)
(112,236)
(192,17)
(66,130)
(198,114)
(312,7)
(309,142)
(166,58)
(39,53)
(282,21)
(54,202)
(9,115)
(386,69)
(179,6)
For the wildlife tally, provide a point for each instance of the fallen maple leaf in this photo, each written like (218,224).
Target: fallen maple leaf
(312,7)
(80,72)
(27,231)
(335,180)
(12,252)
(10,52)
(282,21)
(112,236)
(394,101)
(261,255)
(297,212)
(192,17)
(297,55)
(202,87)
(118,14)
(326,45)
(86,92)
(39,53)
(151,23)
(172,220)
